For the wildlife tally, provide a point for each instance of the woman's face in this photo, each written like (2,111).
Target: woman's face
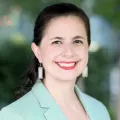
(64,48)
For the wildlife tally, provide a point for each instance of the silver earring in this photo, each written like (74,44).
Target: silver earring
(40,71)
(85,72)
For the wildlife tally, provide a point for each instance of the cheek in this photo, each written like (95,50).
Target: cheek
(50,53)
(54,50)
(83,52)
(85,55)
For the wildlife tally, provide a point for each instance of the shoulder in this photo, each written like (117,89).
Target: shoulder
(8,113)
(26,105)
(93,107)
(97,107)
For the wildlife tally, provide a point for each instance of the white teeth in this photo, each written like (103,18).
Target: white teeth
(66,65)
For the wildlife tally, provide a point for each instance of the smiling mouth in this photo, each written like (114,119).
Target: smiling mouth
(66,65)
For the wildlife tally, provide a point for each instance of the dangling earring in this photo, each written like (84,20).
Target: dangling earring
(40,71)
(85,72)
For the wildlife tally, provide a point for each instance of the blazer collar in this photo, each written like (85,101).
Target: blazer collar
(53,112)
(42,94)
(86,102)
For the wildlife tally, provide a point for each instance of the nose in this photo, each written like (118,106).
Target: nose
(68,51)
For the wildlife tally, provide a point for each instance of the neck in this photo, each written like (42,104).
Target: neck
(60,90)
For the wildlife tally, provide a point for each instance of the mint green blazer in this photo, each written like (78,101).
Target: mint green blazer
(38,104)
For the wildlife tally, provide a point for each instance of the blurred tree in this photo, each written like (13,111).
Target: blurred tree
(14,58)
(97,84)
(32,8)
(109,9)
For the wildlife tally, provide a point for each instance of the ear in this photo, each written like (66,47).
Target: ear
(36,51)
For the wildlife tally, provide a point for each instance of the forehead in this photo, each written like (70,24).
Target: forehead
(65,25)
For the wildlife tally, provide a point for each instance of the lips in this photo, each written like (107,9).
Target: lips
(67,65)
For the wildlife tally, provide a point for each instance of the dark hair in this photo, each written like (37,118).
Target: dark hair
(44,17)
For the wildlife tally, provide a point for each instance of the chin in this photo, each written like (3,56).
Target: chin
(68,79)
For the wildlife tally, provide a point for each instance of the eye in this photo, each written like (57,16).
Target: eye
(78,41)
(57,42)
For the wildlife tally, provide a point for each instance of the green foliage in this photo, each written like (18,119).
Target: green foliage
(14,59)
(109,9)
(32,8)
(97,84)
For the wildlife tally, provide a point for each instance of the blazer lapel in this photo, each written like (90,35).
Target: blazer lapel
(86,102)
(53,111)
(46,101)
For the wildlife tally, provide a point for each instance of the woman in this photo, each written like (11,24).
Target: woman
(60,45)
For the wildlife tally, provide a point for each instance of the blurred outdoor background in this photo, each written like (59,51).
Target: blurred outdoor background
(16,33)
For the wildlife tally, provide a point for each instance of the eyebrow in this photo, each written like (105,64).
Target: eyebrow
(75,37)
(60,38)
(78,37)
